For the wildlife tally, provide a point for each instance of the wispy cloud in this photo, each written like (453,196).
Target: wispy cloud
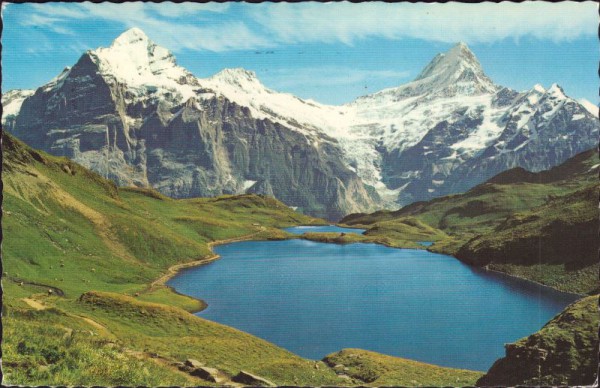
(449,22)
(169,24)
(225,27)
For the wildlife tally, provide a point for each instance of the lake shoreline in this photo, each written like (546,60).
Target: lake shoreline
(210,285)
(174,270)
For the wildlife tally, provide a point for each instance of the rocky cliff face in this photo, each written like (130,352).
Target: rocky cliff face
(130,113)
(158,127)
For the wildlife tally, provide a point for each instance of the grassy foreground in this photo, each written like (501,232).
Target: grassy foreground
(81,305)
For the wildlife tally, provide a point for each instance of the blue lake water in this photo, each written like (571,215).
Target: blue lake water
(320,229)
(315,298)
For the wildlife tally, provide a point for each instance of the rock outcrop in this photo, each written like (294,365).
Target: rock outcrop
(252,380)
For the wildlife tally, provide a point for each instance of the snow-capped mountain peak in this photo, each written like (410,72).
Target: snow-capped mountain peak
(556,91)
(457,71)
(132,36)
(239,77)
(454,60)
(136,60)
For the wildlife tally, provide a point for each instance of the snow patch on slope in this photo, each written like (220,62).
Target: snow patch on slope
(590,107)
(12,102)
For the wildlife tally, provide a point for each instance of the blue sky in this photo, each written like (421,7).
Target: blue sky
(330,52)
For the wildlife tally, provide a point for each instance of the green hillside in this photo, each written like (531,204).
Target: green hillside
(84,301)
(71,232)
(555,244)
(539,226)
(374,369)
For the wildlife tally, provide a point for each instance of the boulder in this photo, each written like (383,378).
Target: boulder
(190,362)
(208,374)
(253,380)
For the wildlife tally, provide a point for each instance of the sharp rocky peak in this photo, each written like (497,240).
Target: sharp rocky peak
(458,71)
(455,72)
(454,60)
(132,36)
(135,59)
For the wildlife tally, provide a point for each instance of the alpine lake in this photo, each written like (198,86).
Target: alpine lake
(316,298)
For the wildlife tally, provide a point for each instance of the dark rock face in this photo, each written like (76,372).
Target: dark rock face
(190,149)
(558,129)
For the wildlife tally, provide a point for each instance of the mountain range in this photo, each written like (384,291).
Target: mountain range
(130,113)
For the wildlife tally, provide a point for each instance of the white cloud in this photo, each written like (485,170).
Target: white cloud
(220,27)
(169,9)
(449,22)
(161,21)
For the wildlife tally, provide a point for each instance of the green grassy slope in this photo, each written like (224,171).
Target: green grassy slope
(71,231)
(564,352)
(556,243)
(98,248)
(539,226)
(374,369)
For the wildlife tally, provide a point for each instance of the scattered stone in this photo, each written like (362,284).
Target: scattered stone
(253,380)
(21,284)
(346,368)
(345,377)
(62,264)
(208,374)
(180,365)
(93,269)
(50,292)
(193,363)
(137,294)
(338,366)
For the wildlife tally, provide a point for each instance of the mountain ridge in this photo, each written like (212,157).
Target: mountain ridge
(446,131)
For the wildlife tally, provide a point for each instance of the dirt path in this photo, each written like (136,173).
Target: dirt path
(172,271)
(34,304)
(55,290)
(100,221)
